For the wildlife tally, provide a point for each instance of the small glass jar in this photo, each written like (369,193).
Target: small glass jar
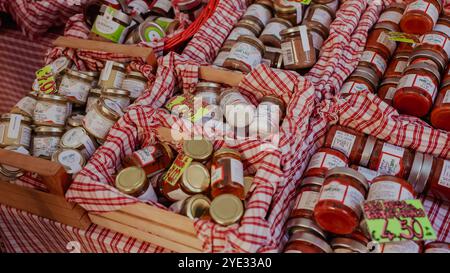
(227,173)
(9,173)
(373,59)
(119,96)
(269,113)
(273,57)
(77,138)
(223,53)
(401,247)
(392,15)
(258,13)
(437,247)
(339,207)
(388,159)
(318,35)
(111,25)
(298,49)
(423,55)
(404,48)
(387,89)
(208,91)
(101,118)
(75,86)
(191,7)
(134,182)
(417,90)
(319,13)
(72,160)
(388,187)
(443,25)
(438,43)
(26,105)
(420,16)
(94,96)
(245,54)
(307,198)
(135,83)
(289,10)
(347,245)
(46,141)
(51,110)
(226,209)
(324,160)
(440,115)
(75,120)
(244,27)
(112,75)
(295,225)
(237,110)
(378,40)
(306,242)
(152,159)
(397,66)
(162,7)
(15,130)
(363,78)
(271,33)
(196,207)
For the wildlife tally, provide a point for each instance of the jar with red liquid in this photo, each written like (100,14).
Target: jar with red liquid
(307,198)
(387,89)
(227,173)
(375,60)
(339,207)
(363,78)
(434,178)
(392,15)
(397,66)
(388,159)
(379,40)
(304,225)
(440,115)
(404,48)
(420,16)
(437,247)
(323,160)
(305,242)
(388,187)
(424,55)
(438,43)
(443,25)
(417,90)
(152,159)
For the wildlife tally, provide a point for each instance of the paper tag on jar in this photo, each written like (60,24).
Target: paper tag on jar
(403,37)
(393,221)
(177,169)
(46,80)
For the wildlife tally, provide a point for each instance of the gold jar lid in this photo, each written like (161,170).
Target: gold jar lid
(224,151)
(292,30)
(8,116)
(93,74)
(71,159)
(280,7)
(208,85)
(196,178)
(348,243)
(79,75)
(75,120)
(310,238)
(48,130)
(267,3)
(198,149)
(57,98)
(250,24)
(226,209)
(131,180)
(137,75)
(196,206)
(115,92)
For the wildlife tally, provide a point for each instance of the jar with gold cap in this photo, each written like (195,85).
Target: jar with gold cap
(51,110)
(227,173)
(245,54)
(297,47)
(72,160)
(271,33)
(259,13)
(75,120)
(101,118)
(226,209)
(112,75)
(244,27)
(15,130)
(198,149)
(135,83)
(208,91)
(78,139)
(75,86)
(120,96)
(319,13)
(223,53)
(196,207)
(46,141)
(25,106)
(153,159)
(289,10)
(134,182)
(9,173)
(94,95)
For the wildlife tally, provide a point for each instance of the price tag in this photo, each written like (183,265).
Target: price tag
(393,221)
(303,2)
(177,169)
(46,80)
(403,37)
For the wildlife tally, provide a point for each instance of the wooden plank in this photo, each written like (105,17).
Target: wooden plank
(140,235)
(127,50)
(218,75)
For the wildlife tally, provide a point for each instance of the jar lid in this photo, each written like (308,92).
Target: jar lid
(196,178)
(253,41)
(47,129)
(223,151)
(275,100)
(208,85)
(73,138)
(312,180)
(115,91)
(317,27)
(119,15)
(226,209)
(228,45)
(96,91)
(168,150)
(267,3)
(391,80)
(52,97)
(250,24)
(415,168)
(9,116)
(424,66)
(75,120)
(198,149)
(110,108)
(304,224)
(292,30)
(248,181)
(280,21)
(366,72)
(387,26)
(349,244)
(196,206)
(348,172)
(368,149)
(424,53)
(137,74)
(131,180)
(72,160)
(424,173)
(79,75)
(310,238)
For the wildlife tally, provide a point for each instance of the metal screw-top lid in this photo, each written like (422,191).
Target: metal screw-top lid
(312,180)
(52,97)
(115,92)
(424,174)
(196,178)
(96,91)
(110,108)
(208,85)
(250,24)
(311,239)
(75,120)
(280,7)
(415,168)
(196,206)
(303,224)
(131,180)
(48,129)
(348,243)
(137,74)
(392,80)
(253,41)
(78,74)
(348,172)
(368,73)
(226,209)
(281,21)
(387,26)
(367,152)
(198,149)
(119,15)
(438,60)
(225,150)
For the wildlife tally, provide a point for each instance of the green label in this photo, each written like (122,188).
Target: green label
(153,33)
(403,37)
(46,80)
(175,101)
(393,221)
(303,2)
(177,169)
(164,23)
(202,112)
(105,27)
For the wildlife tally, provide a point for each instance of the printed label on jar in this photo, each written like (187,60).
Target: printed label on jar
(367,173)
(146,155)
(390,16)
(165,5)
(446,97)
(400,67)
(27,104)
(390,160)
(149,195)
(322,17)
(428,8)
(385,190)
(329,161)
(351,87)
(424,83)
(317,40)
(260,12)
(74,89)
(442,28)
(348,195)
(238,32)
(97,124)
(236,172)
(307,200)
(26,136)
(91,101)
(71,160)
(376,59)
(14,126)
(246,53)
(400,247)
(221,57)
(135,87)
(45,146)
(88,145)
(437,39)
(178,195)
(444,179)
(106,27)
(288,54)
(50,113)
(343,142)
(390,93)
(274,28)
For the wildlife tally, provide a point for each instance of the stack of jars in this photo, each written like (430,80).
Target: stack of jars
(327,211)
(278,33)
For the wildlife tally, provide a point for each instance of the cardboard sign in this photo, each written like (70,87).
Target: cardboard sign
(403,37)
(46,80)
(393,221)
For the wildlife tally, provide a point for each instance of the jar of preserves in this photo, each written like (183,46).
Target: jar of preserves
(75,120)
(72,160)
(324,160)
(373,59)
(111,25)
(162,7)
(94,96)
(135,83)
(388,159)
(191,7)
(417,90)
(198,149)
(196,207)
(440,115)
(438,43)
(401,247)
(245,54)
(432,58)
(319,13)
(363,78)
(51,110)
(46,141)
(75,86)
(26,105)
(397,66)
(297,47)
(443,25)
(101,118)
(273,57)
(387,89)
(119,96)
(238,111)
(289,10)
(9,173)
(388,187)
(295,225)
(269,113)
(420,16)
(78,139)
(112,75)
(318,34)
(226,209)
(15,130)
(404,48)
(244,27)
(347,245)
(307,197)
(208,91)
(339,207)
(227,173)
(367,173)
(223,53)
(134,182)
(306,242)
(392,15)
(437,247)
(258,13)
(271,33)
(152,159)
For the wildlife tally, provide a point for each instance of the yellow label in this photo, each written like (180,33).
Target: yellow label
(46,80)
(177,169)
(303,2)
(403,37)
(202,112)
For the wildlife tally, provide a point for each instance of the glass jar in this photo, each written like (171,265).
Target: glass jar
(443,25)
(72,160)
(244,27)
(367,173)
(101,118)
(227,173)
(388,159)
(387,89)
(318,35)
(307,197)
(78,139)
(51,110)
(295,225)
(271,33)
(324,160)
(75,86)
(119,96)
(289,10)
(149,31)
(435,180)
(332,4)
(258,13)
(297,47)
(111,25)
(15,130)
(392,15)
(152,159)
(363,78)
(94,96)
(404,48)
(269,113)
(417,90)
(75,120)
(401,247)
(135,83)
(347,245)
(26,105)
(306,242)
(238,111)
(273,57)
(245,54)
(423,55)
(339,207)
(226,209)
(437,247)
(248,182)
(208,91)
(441,109)
(223,53)
(196,207)
(373,59)
(388,187)
(420,16)
(438,43)
(134,182)
(397,66)
(162,7)
(46,141)
(112,75)
(319,13)
(191,7)
(378,40)
(9,173)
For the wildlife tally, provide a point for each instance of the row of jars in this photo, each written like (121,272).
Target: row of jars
(290,40)
(197,182)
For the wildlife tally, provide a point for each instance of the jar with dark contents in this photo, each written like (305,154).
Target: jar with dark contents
(162,8)
(289,10)
(259,13)
(379,40)
(319,13)
(318,34)
(273,57)
(374,60)
(223,53)
(245,54)
(438,43)
(391,16)
(271,33)
(297,47)
(387,89)
(244,27)
(324,160)
(227,173)
(362,79)
(306,242)
(192,7)
(437,247)
(388,159)
(430,57)
(307,197)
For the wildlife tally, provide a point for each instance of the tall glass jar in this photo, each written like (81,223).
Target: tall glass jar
(298,49)
(420,16)
(227,173)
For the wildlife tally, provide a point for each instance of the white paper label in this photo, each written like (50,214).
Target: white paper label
(400,67)
(304,38)
(298,9)
(348,195)
(139,6)
(14,126)
(26,136)
(390,93)
(165,5)
(386,190)
(146,155)
(221,57)
(367,173)
(246,53)
(322,159)
(71,160)
(237,171)
(149,195)
(446,97)
(390,16)
(307,200)
(106,72)
(438,39)
(376,59)
(390,160)
(424,83)
(45,146)
(351,87)
(51,113)
(91,101)
(343,142)
(444,179)
(27,104)
(260,12)
(288,53)
(274,28)
(426,7)
(135,87)
(97,124)
(322,17)
(400,247)
(238,32)
(178,195)
(442,28)
(74,89)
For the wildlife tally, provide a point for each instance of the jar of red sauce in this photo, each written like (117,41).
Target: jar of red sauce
(347,245)
(304,225)
(440,115)
(305,242)
(388,159)
(417,90)
(420,16)
(438,43)
(388,187)
(325,159)
(152,159)
(379,40)
(392,15)
(375,60)
(227,173)
(437,247)
(397,66)
(339,207)
(387,89)
(363,78)
(443,25)
(405,48)
(434,178)
(423,55)
(346,140)
(307,197)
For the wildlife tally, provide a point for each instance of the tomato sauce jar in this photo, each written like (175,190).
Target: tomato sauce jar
(443,25)
(434,178)
(363,78)
(307,197)
(306,242)
(388,187)
(378,40)
(375,60)
(323,160)
(387,89)
(367,173)
(438,43)
(423,55)
(420,16)
(437,247)
(392,15)
(388,159)
(401,247)
(417,90)
(440,115)
(339,207)
(397,66)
